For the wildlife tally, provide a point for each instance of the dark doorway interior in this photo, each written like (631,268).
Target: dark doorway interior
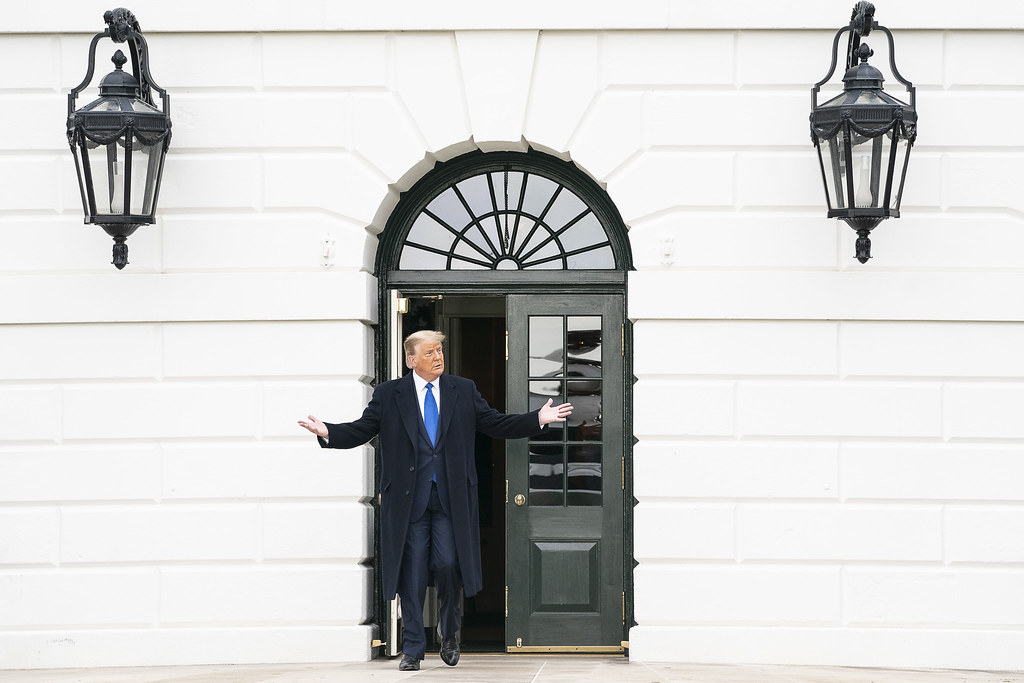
(475,348)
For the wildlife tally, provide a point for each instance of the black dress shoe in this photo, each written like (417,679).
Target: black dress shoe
(409,664)
(450,651)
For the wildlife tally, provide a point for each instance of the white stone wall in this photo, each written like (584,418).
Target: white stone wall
(829,453)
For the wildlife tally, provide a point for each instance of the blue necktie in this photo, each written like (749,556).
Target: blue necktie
(430,417)
(430,414)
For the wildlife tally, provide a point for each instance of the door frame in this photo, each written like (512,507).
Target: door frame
(413,286)
(391,279)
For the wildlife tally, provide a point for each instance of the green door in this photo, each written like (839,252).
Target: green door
(564,542)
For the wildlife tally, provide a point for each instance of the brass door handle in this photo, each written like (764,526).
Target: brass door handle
(520,499)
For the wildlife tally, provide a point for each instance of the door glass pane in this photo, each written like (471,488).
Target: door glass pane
(540,392)
(585,422)
(584,475)
(585,232)
(547,474)
(466,256)
(546,347)
(449,208)
(567,206)
(565,365)
(585,340)
(594,259)
(538,195)
(583,347)
(549,256)
(426,232)
(477,194)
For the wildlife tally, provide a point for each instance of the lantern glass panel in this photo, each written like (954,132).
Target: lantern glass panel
(899,172)
(868,165)
(145,170)
(108,169)
(868,171)
(78,152)
(866,98)
(833,166)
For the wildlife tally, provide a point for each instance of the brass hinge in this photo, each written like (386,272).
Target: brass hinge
(519,642)
(506,601)
(506,344)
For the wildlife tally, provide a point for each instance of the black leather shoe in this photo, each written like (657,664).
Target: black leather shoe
(450,651)
(409,664)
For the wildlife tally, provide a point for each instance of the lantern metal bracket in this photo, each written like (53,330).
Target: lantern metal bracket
(123,27)
(862,23)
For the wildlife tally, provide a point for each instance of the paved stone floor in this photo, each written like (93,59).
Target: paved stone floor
(509,669)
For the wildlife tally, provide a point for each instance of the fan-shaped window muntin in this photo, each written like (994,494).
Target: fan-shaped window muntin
(507,219)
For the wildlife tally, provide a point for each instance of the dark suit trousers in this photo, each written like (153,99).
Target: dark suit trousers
(429,544)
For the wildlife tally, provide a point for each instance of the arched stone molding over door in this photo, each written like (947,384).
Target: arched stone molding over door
(536,239)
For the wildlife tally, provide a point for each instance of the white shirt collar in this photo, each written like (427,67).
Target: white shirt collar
(421,388)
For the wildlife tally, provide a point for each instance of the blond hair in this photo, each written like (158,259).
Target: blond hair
(417,338)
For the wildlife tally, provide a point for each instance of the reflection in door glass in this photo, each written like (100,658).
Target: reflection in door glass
(547,474)
(565,365)
(540,392)
(584,475)
(585,422)
(583,351)
(584,338)
(546,346)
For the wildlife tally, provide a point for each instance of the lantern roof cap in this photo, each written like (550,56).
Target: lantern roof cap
(863,75)
(120,83)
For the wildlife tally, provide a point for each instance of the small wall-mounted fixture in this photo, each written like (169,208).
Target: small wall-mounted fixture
(863,136)
(327,251)
(119,141)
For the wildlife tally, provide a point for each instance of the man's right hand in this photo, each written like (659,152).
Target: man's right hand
(316,426)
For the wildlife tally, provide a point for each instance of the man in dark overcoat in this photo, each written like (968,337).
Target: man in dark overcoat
(429,511)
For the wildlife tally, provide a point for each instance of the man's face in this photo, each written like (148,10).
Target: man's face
(427,360)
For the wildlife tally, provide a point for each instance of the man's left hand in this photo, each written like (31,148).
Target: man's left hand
(550,413)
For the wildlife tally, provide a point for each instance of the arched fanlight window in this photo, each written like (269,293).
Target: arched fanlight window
(507,211)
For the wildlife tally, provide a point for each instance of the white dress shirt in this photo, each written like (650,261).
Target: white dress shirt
(421,392)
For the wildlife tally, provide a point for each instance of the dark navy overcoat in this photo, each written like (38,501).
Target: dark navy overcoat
(394,415)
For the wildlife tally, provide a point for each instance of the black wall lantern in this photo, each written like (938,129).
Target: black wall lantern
(119,141)
(863,136)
